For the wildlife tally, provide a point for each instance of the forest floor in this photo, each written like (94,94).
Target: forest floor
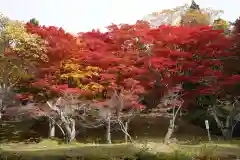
(49,149)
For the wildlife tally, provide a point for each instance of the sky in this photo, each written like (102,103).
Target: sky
(84,15)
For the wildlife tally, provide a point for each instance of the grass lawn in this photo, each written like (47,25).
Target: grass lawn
(48,149)
(53,150)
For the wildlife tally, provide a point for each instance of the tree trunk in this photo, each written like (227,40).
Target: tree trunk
(169,132)
(126,127)
(68,133)
(51,129)
(69,127)
(227,129)
(226,133)
(1,108)
(108,131)
(73,128)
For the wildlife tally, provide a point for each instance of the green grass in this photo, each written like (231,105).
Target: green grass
(53,150)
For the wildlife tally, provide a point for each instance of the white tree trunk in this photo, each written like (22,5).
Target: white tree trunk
(1,109)
(169,132)
(225,129)
(228,128)
(51,129)
(70,130)
(68,124)
(171,126)
(126,128)
(73,130)
(69,127)
(108,131)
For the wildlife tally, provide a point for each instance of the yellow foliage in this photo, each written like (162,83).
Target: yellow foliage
(11,72)
(14,37)
(188,16)
(30,46)
(93,86)
(195,17)
(77,72)
(169,11)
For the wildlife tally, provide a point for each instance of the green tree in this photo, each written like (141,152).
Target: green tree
(222,24)
(34,22)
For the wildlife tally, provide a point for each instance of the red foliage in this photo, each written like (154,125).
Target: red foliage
(61,46)
(173,55)
(24,96)
(116,52)
(191,54)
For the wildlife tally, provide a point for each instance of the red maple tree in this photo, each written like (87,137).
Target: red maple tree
(191,55)
(131,59)
(60,45)
(127,54)
(117,53)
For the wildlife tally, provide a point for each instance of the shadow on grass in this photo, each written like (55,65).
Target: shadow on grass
(106,152)
(75,152)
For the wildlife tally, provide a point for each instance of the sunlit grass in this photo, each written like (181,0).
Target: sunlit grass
(52,148)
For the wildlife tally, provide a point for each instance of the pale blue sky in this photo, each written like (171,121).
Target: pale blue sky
(84,15)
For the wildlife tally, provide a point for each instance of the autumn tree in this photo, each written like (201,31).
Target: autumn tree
(61,108)
(62,69)
(105,67)
(109,71)
(173,59)
(19,50)
(226,109)
(190,57)
(118,54)
(184,15)
(59,70)
(195,16)
(220,24)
